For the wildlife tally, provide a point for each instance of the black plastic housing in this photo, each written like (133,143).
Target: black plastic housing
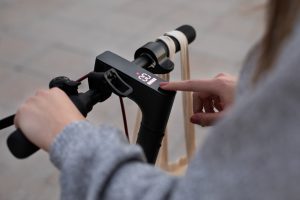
(154,103)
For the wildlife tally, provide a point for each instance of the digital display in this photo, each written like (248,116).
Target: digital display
(146,78)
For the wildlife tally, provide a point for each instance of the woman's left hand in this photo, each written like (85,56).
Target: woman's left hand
(44,115)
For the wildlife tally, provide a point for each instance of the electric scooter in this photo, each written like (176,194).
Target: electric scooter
(136,80)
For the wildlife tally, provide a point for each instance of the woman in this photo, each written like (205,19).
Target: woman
(251,153)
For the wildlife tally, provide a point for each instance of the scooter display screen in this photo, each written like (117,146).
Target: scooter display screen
(145,77)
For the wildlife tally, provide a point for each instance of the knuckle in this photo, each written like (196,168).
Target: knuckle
(56,90)
(219,81)
(28,101)
(221,75)
(41,92)
(222,82)
(189,81)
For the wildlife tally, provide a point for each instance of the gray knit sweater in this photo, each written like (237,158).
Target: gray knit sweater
(253,153)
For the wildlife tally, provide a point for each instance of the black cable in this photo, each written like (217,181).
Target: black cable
(124,117)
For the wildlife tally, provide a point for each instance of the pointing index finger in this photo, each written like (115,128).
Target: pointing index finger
(189,85)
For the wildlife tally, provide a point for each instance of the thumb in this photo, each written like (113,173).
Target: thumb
(206,119)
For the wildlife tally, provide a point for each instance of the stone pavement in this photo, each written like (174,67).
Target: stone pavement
(41,39)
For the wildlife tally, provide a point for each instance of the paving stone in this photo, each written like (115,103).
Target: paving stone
(57,61)
(17,49)
(242,25)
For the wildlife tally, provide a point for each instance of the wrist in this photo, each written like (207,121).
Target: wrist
(58,129)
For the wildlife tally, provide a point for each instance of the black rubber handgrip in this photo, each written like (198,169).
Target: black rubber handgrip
(20,146)
(188,31)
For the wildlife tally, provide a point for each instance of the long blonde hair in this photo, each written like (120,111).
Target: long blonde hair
(281,18)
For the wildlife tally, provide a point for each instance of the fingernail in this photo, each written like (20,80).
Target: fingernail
(161,84)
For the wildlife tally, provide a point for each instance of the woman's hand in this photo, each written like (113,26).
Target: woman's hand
(210,97)
(44,115)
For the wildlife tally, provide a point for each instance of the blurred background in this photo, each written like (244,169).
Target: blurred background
(42,39)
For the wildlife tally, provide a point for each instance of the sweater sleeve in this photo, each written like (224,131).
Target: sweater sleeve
(98,163)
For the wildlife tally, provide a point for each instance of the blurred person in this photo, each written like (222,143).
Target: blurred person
(252,151)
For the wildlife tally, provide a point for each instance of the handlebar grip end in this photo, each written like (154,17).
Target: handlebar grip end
(188,31)
(20,146)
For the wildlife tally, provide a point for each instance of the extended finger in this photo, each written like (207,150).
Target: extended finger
(190,85)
